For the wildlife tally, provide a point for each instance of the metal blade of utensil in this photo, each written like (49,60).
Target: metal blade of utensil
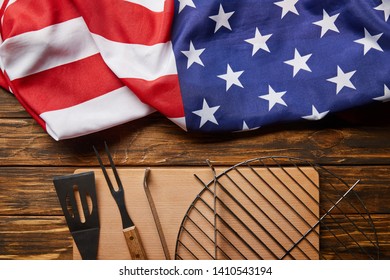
(84,226)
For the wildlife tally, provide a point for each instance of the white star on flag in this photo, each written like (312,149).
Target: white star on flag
(370,41)
(342,79)
(221,19)
(385,7)
(274,98)
(185,3)
(385,97)
(193,55)
(287,6)
(299,62)
(327,23)
(315,115)
(206,114)
(231,77)
(259,42)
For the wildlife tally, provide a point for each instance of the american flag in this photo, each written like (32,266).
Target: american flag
(208,65)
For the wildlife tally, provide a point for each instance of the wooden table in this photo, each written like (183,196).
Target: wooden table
(355,144)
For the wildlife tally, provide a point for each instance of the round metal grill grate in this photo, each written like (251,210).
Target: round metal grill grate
(277,208)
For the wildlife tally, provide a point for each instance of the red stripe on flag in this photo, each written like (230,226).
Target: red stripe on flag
(40,14)
(3,81)
(163,94)
(127,22)
(66,85)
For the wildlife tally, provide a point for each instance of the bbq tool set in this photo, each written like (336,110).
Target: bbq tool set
(266,208)
(76,192)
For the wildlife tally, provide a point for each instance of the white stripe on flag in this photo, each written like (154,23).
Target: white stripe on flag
(137,61)
(153,5)
(111,109)
(40,50)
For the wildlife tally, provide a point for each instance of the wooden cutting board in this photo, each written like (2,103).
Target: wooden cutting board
(173,191)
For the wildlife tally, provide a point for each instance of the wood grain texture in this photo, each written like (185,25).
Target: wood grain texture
(10,107)
(49,238)
(30,190)
(34,237)
(134,243)
(353,137)
(157,142)
(346,247)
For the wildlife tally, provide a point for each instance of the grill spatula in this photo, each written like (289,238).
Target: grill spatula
(84,226)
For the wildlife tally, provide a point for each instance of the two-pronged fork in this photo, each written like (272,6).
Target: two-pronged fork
(130,232)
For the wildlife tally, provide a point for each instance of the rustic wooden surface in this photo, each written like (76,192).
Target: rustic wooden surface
(354,145)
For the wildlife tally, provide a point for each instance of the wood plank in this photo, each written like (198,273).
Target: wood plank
(33,191)
(340,239)
(10,107)
(27,238)
(374,188)
(29,190)
(154,141)
(31,237)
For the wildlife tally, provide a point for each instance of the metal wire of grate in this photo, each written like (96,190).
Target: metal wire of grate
(276,208)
